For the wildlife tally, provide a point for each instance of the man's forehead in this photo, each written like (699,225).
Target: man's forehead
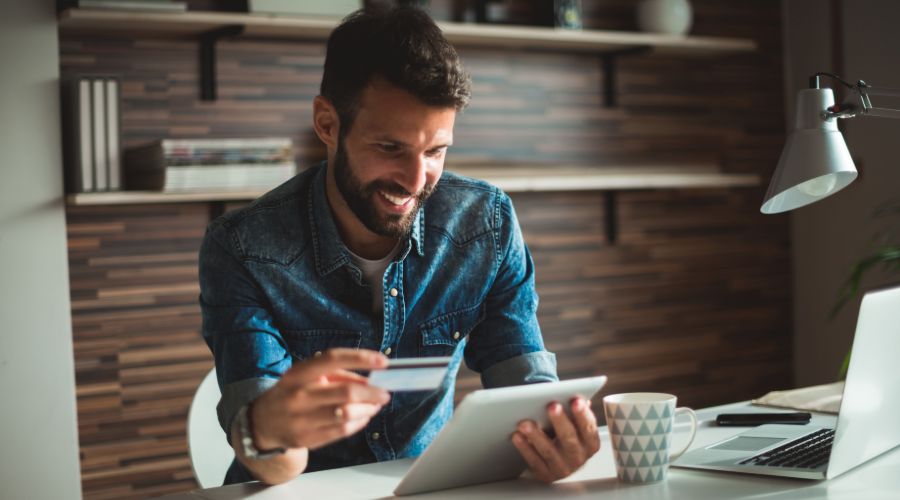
(404,118)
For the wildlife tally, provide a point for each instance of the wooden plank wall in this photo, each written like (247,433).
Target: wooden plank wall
(138,354)
(694,298)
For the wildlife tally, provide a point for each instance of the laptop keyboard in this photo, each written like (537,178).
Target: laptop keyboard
(807,452)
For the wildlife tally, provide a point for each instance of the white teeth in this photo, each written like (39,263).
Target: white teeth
(396,200)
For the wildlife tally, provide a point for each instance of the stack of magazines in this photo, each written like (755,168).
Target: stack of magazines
(210,164)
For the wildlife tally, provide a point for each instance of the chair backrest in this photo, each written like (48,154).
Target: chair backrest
(209,450)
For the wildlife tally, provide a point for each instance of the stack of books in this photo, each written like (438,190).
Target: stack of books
(90,108)
(327,8)
(172,165)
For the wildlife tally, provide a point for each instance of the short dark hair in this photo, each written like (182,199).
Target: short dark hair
(401,44)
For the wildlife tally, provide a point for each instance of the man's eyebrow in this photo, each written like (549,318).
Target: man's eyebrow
(385,138)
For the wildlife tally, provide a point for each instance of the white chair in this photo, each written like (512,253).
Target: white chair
(210,454)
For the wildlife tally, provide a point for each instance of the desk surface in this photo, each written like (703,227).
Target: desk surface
(877,479)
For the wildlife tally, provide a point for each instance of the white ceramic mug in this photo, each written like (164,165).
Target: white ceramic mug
(640,428)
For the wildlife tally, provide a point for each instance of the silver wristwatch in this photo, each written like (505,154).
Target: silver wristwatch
(247,445)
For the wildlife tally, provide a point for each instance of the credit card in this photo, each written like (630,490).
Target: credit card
(411,374)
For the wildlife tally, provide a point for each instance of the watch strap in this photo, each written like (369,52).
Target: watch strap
(246,436)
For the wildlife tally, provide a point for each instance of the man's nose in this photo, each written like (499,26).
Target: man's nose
(413,175)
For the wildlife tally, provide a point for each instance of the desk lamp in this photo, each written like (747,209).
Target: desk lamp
(815,162)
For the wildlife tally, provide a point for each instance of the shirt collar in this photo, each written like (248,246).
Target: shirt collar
(328,248)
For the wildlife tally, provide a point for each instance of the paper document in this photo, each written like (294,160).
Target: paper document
(822,398)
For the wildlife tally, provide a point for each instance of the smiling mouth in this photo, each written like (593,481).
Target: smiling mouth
(396,200)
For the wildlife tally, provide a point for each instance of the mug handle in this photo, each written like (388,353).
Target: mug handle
(693,416)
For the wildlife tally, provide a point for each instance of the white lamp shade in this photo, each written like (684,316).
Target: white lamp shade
(815,162)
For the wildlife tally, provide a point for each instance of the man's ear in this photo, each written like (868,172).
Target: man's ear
(325,121)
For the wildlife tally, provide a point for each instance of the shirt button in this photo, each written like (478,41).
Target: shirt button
(455,335)
(394,292)
(375,435)
(387,352)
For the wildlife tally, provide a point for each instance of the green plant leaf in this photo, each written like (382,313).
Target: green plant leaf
(888,256)
(842,373)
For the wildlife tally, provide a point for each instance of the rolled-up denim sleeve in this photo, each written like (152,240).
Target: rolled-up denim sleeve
(506,348)
(249,351)
(530,368)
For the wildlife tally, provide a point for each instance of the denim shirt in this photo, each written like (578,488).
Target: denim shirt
(278,287)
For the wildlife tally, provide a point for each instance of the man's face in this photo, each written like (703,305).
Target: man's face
(388,163)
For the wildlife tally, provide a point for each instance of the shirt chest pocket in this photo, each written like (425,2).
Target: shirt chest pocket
(305,344)
(441,335)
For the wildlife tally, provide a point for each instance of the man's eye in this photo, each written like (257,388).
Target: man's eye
(436,153)
(389,148)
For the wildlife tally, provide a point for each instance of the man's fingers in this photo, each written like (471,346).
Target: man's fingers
(535,463)
(329,434)
(586,423)
(331,361)
(545,448)
(318,400)
(345,392)
(345,376)
(567,436)
(336,415)
(329,424)
(357,411)
(355,419)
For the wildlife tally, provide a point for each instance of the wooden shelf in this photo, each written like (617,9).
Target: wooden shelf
(580,178)
(527,37)
(145,197)
(510,179)
(194,24)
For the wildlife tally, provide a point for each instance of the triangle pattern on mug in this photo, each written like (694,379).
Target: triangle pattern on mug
(640,436)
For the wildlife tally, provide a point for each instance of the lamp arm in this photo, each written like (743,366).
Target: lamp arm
(862,91)
(881,91)
(865,91)
(883,113)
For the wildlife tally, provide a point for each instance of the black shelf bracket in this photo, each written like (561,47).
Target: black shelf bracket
(611,217)
(208,43)
(610,92)
(608,61)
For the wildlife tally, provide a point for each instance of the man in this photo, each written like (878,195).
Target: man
(374,254)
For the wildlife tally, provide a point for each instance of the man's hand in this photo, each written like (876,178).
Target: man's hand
(315,403)
(576,440)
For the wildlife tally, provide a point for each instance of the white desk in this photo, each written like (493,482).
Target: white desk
(876,480)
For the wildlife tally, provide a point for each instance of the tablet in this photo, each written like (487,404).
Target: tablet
(474,447)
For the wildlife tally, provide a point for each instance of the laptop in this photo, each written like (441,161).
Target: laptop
(866,425)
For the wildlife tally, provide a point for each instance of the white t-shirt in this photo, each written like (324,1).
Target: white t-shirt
(373,273)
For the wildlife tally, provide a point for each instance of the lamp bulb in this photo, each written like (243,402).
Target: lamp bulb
(818,187)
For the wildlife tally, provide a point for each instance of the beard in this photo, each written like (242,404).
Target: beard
(361,198)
